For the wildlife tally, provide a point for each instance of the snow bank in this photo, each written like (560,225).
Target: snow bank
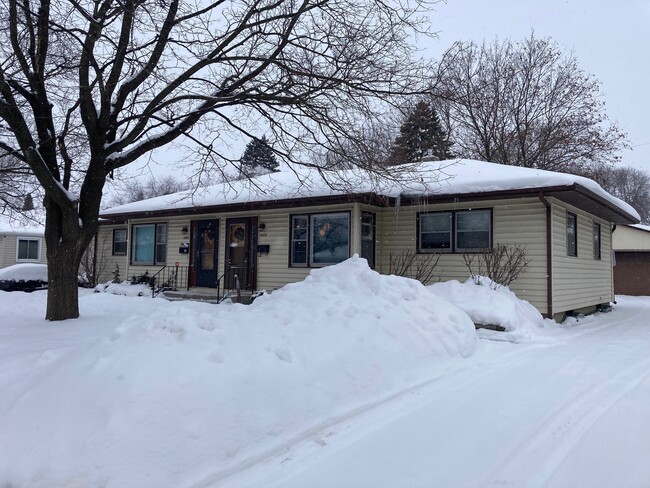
(24,272)
(155,393)
(488,306)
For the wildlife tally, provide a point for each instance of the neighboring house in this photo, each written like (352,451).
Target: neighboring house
(632,260)
(274,229)
(20,243)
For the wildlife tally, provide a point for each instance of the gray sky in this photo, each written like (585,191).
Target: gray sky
(610,39)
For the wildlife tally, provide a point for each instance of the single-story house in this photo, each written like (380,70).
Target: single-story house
(21,242)
(632,260)
(273,229)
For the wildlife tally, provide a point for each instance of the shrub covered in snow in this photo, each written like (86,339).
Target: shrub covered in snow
(488,304)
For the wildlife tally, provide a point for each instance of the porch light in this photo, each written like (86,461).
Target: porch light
(184,229)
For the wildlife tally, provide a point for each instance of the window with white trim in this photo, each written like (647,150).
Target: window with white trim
(319,239)
(148,244)
(28,249)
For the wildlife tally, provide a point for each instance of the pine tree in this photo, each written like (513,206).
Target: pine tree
(421,134)
(28,204)
(258,159)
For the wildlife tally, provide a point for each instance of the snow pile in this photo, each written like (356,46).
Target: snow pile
(489,306)
(155,393)
(24,272)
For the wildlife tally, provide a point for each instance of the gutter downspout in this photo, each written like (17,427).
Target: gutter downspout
(549,256)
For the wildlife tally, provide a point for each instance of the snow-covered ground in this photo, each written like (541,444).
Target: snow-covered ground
(349,378)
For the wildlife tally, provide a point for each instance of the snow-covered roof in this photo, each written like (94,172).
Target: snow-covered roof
(20,225)
(432,178)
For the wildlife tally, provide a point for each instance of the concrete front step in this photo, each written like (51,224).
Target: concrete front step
(208,296)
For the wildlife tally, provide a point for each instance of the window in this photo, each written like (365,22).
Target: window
(28,249)
(596,240)
(119,242)
(320,239)
(457,231)
(299,240)
(473,230)
(368,237)
(571,234)
(435,232)
(149,243)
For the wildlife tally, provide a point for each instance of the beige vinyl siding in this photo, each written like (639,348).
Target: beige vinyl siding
(273,269)
(519,221)
(9,244)
(631,239)
(105,261)
(580,281)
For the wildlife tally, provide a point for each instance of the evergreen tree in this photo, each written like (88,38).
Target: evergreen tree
(28,204)
(421,134)
(258,159)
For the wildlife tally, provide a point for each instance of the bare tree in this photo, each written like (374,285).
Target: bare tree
(134,190)
(630,185)
(526,104)
(88,87)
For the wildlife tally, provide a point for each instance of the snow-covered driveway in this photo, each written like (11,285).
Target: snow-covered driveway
(570,412)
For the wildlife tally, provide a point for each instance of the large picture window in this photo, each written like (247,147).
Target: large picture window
(119,242)
(455,231)
(320,239)
(149,243)
(28,249)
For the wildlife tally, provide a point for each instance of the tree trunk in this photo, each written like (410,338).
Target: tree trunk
(62,288)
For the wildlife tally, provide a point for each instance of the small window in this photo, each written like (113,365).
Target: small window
(473,229)
(119,242)
(149,243)
(596,240)
(435,232)
(571,234)
(299,234)
(368,238)
(28,249)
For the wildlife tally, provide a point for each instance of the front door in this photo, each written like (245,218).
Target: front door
(241,253)
(205,236)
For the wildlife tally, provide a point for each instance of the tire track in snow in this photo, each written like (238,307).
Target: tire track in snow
(564,427)
(347,428)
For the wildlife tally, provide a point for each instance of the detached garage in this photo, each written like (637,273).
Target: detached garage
(631,245)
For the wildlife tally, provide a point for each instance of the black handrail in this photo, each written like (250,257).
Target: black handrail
(230,280)
(169,278)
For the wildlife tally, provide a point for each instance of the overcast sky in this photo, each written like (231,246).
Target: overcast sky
(610,39)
